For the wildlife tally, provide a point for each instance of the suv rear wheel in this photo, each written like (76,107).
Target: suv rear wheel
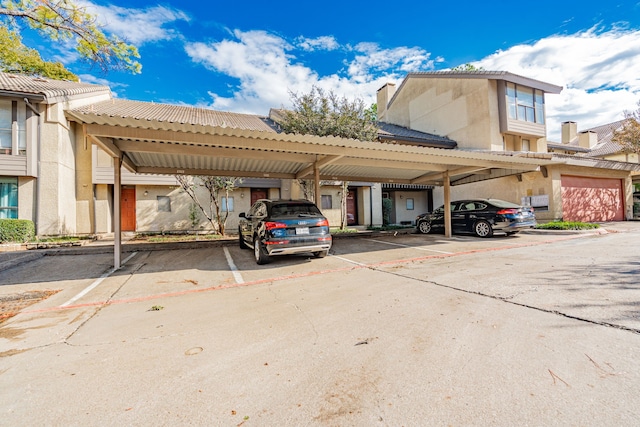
(262,257)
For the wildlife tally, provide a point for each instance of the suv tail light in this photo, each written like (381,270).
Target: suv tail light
(270,225)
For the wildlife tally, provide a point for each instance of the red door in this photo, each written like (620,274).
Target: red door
(128,209)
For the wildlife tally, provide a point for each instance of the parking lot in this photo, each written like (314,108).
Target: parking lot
(403,329)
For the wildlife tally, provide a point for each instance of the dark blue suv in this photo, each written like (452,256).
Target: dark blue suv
(283,227)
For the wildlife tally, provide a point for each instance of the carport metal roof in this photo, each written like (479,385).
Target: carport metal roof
(167,139)
(153,138)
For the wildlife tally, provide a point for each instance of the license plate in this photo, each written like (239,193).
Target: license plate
(302,230)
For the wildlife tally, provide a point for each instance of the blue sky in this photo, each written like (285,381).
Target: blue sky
(246,56)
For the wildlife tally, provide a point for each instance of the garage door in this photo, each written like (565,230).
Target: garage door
(592,199)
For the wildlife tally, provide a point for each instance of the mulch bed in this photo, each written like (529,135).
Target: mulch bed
(10,305)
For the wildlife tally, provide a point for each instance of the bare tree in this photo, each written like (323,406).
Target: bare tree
(218,189)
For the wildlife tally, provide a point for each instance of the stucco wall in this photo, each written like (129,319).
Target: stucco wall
(26,198)
(400,213)
(465,110)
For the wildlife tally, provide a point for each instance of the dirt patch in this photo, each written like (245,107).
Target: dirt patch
(10,305)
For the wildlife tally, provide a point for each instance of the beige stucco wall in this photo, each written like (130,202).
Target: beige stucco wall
(103,203)
(465,110)
(26,197)
(399,210)
(84,185)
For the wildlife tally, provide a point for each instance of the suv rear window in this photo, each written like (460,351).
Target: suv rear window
(293,209)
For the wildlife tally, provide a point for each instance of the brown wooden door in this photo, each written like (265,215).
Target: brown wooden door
(128,209)
(258,193)
(352,208)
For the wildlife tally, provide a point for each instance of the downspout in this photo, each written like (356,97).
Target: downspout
(39,178)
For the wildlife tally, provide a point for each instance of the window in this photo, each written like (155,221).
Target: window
(227,204)
(409,204)
(326,201)
(525,103)
(164,203)
(11,116)
(8,197)
(526,145)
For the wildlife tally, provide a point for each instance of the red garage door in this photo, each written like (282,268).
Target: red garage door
(592,199)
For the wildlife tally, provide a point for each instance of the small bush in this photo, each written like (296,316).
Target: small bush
(16,230)
(567,225)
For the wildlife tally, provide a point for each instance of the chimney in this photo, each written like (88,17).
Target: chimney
(385,93)
(569,131)
(587,139)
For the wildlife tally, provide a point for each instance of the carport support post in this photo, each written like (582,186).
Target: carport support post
(447,204)
(316,182)
(117,223)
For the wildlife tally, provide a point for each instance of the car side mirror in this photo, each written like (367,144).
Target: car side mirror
(242,215)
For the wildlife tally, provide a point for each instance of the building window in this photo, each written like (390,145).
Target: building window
(12,119)
(326,201)
(227,204)
(8,197)
(409,204)
(526,145)
(525,103)
(164,203)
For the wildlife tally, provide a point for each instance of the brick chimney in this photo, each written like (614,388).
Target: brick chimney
(569,132)
(587,139)
(385,93)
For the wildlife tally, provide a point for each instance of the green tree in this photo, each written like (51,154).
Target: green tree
(317,113)
(327,114)
(16,57)
(629,135)
(217,188)
(63,20)
(467,67)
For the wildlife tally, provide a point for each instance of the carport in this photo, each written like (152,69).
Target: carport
(150,138)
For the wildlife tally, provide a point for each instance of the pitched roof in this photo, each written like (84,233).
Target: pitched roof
(604,146)
(46,90)
(168,116)
(400,134)
(488,75)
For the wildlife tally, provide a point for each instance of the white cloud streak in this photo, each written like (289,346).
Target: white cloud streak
(137,26)
(268,70)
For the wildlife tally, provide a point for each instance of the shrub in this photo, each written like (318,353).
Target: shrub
(16,230)
(567,225)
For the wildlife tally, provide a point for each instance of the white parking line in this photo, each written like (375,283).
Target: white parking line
(348,260)
(96,282)
(411,247)
(232,266)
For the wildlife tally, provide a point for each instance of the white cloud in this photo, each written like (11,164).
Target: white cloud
(137,26)
(598,70)
(319,43)
(267,69)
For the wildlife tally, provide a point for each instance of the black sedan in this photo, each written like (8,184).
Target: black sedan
(282,227)
(482,217)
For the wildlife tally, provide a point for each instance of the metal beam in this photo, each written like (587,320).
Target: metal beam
(211,172)
(206,150)
(111,149)
(347,148)
(117,214)
(447,206)
(319,163)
